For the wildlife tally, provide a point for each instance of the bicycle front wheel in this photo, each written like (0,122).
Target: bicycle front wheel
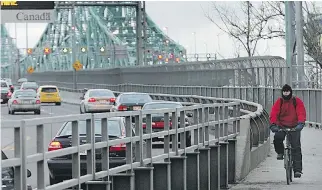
(287,167)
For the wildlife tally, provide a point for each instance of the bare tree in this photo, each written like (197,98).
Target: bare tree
(247,30)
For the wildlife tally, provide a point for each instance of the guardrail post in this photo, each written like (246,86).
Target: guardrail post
(162,176)
(178,173)
(75,156)
(223,165)
(232,160)
(214,167)
(41,164)
(204,168)
(193,179)
(143,178)
(17,147)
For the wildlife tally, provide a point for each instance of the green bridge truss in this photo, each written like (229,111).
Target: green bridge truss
(105,38)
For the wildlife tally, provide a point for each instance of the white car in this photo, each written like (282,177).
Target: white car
(24,101)
(97,100)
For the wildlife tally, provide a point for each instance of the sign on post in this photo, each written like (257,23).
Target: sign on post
(77,65)
(30,69)
(27,11)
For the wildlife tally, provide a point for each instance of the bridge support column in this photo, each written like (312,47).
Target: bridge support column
(143,178)
(214,167)
(204,168)
(224,165)
(98,185)
(193,176)
(123,181)
(232,160)
(162,176)
(178,173)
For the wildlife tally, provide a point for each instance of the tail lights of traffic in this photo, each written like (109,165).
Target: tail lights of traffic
(37,101)
(122,108)
(118,148)
(112,99)
(15,102)
(9,94)
(92,100)
(54,145)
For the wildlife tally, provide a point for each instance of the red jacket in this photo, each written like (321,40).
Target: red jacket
(287,115)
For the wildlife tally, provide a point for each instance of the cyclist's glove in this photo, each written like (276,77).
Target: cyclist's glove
(274,128)
(299,127)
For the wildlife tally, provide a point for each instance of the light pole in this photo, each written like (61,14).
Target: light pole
(194,33)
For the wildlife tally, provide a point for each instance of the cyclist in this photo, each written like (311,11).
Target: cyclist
(288,111)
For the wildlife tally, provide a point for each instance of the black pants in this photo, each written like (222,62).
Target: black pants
(295,139)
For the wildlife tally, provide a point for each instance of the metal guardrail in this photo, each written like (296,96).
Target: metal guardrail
(219,108)
(264,96)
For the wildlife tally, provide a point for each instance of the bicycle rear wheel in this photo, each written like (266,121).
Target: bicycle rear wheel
(290,166)
(287,167)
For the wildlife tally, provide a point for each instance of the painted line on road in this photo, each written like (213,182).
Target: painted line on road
(50,113)
(11,146)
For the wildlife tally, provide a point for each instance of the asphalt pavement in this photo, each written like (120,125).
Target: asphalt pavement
(270,174)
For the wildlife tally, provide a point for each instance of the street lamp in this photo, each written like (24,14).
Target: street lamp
(195,36)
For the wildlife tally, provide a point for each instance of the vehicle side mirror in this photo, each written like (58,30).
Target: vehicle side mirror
(189,114)
(28,173)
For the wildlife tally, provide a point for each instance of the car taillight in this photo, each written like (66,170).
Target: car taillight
(92,100)
(9,94)
(118,148)
(15,102)
(112,99)
(122,108)
(54,145)
(37,101)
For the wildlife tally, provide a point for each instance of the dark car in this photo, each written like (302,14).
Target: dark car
(60,168)
(8,176)
(131,101)
(29,85)
(158,119)
(5,92)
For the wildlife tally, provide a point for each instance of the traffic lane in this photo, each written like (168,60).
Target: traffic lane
(50,131)
(270,174)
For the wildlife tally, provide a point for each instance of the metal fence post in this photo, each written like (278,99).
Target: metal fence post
(41,182)
(75,156)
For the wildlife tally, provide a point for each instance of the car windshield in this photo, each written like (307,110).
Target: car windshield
(30,85)
(161,106)
(4,84)
(26,93)
(135,98)
(114,128)
(101,93)
(48,89)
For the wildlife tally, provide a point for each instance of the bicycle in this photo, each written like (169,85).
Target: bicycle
(288,154)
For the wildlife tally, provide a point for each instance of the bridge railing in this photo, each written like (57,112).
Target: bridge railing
(225,116)
(266,96)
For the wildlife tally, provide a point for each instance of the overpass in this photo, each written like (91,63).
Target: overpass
(230,101)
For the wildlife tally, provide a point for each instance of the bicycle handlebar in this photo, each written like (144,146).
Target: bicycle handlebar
(287,129)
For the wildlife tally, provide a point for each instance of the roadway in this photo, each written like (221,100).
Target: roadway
(270,174)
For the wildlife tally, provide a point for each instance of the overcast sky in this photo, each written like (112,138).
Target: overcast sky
(181,19)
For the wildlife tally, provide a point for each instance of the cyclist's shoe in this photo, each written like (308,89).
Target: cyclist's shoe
(280,156)
(297,174)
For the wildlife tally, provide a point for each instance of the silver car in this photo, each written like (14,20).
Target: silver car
(97,100)
(24,101)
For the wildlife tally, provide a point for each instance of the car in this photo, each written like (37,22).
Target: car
(49,94)
(158,119)
(24,101)
(5,92)
(21,80)
(29,85)
(97,100)
(131,101)
(8,176)
(60,168)
(9,81)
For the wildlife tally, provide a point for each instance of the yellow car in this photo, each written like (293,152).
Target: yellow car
(49,94)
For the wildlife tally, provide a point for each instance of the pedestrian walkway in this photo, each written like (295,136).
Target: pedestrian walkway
(270,174)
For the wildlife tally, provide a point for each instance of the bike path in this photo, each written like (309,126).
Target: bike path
(270,174)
